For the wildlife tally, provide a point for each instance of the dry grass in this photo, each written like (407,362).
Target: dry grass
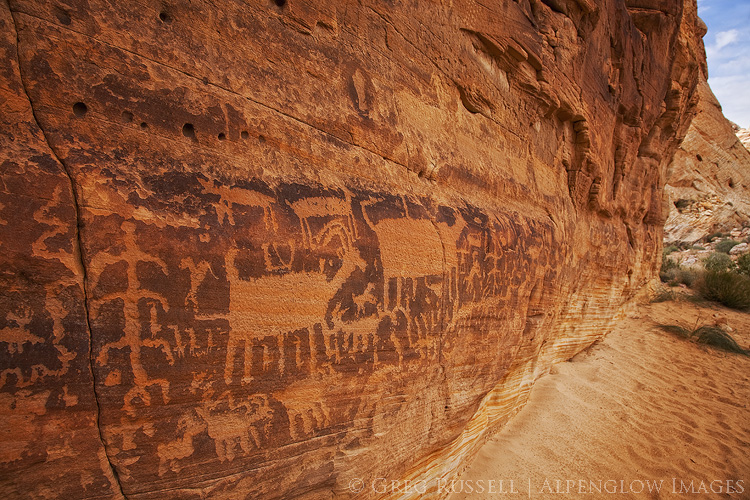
(709,335)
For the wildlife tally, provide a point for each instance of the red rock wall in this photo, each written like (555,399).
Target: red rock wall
(264,249)
(708,180)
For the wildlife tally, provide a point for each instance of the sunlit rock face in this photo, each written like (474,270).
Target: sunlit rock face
(708,181)
(273,249)
(743,135)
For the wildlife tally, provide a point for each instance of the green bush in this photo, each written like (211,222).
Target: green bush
(715,336)
(697,247)
(711,237)
(718,262)
(709,335)
(688,277)
(669,268)
(682,203)
(664,294)
(668,276)
(743,264)
(728,288)
(677,275)
(725,245)
(666,262)
(670,249)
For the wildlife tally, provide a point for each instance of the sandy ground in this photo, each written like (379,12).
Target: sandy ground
(640,409)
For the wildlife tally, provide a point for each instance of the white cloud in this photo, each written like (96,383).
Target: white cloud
(723,38)
(733,66)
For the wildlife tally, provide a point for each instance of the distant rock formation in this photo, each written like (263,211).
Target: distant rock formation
(743,135)
(282,249)
(708,181)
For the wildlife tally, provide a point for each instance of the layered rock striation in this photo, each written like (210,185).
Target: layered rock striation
(282,249)
(708,181)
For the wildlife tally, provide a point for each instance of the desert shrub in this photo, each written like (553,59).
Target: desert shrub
(711,237)
(709,335)
(715,336)
(670,249)
(669,267)
(743,264)
(687,277)
(668,276)
(666,262)
(725,245)
(679,275)
(697,247)
(663,294)
(728,288)
(718,262)
(676,330)
(682,203)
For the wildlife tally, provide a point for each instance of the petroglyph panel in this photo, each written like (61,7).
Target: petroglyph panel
(271,330)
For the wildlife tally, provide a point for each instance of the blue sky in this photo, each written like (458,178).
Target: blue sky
(728,50)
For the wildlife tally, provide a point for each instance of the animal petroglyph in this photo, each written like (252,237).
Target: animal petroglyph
(265,307)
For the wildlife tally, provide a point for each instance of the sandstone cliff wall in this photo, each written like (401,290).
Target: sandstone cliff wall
(708,181)
(267,249)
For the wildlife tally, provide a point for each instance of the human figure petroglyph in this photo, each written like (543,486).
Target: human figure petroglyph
(132,338)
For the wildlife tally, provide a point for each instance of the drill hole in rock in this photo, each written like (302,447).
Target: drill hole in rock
(165,17)
(62,16)
(279,3)
(127,117)
(244,134)
(144,125)
(80,109)
(188,131)
(222,136)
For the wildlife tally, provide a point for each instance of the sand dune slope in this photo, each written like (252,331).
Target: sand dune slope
(640,409)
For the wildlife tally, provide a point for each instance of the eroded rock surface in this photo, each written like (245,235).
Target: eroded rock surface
(268,249)
(743,135)
(708,182)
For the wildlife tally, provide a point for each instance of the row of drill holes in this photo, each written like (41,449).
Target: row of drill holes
(127,117)
(64,17)
(188,130)
(166,18)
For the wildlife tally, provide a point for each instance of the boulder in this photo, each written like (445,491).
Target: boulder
(739,249)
